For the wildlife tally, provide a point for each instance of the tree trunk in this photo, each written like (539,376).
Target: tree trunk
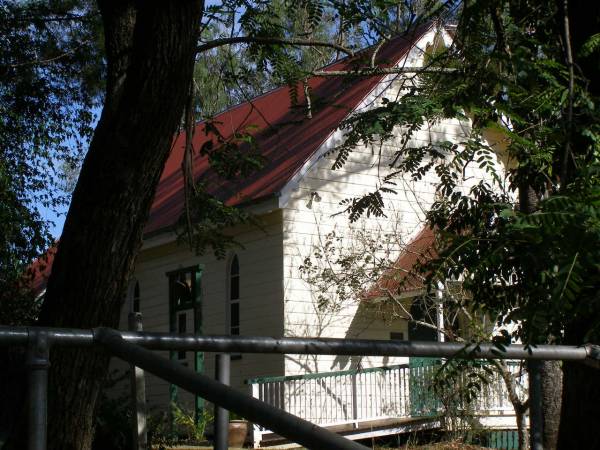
(150,51)
(580,411)
(550,371)
(520,407)
(581,394)
(552,386)
(523,436)
(580,408)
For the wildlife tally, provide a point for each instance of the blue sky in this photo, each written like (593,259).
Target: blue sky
(56,217)
(56,220)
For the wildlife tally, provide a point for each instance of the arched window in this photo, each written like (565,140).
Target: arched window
(133,296)
(136,297)
(234,296)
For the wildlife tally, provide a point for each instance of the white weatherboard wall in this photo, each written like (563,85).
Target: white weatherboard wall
(304,230)
(306,223)
(261,308)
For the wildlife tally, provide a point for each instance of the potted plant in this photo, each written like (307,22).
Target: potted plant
(238,430)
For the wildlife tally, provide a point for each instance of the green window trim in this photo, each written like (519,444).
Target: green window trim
(185,297)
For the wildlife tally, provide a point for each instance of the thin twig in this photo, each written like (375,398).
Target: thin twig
(187,163)
(368,72)
(569,53)
(42,62)
(308,102)
(63,18)
(272,40)
(376,50)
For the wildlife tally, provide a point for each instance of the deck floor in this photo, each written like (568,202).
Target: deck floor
(362,430)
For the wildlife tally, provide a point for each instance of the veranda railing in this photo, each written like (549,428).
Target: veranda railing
(353,396)
(348,396)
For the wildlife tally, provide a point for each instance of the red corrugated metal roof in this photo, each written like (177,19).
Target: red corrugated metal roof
(285,137)
(40,270)
(402,278)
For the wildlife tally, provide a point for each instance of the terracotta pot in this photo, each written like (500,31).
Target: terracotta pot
(238,430)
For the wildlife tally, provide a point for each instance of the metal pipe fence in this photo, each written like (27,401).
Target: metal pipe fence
(310,346)
(134,347)
(285,424)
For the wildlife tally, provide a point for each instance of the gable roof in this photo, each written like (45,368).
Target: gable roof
(40,269)
(401,278)
(285,137)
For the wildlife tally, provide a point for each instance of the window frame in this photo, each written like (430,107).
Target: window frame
(233,303)
(133,296)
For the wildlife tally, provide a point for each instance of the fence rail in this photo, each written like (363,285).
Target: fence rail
(129,346)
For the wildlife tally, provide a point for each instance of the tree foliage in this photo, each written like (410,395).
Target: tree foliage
(247,48)
(50,67)
(529,263)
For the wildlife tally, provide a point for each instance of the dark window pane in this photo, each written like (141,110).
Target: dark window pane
(182,323)
(235,315)
(135,306)
(235,266)
(183,294)
(416,331)
(234,292)
(235,331)
(182,326)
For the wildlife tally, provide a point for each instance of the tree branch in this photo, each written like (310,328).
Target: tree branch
(410,318)
(57,18)
(272,41)
(564,173)
(42,62)
(308,102)
(376,50)
(369,72)
(188,160)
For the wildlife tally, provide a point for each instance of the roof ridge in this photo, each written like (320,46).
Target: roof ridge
(403,35)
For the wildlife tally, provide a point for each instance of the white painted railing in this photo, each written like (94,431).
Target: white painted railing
(354,396)
(494,395)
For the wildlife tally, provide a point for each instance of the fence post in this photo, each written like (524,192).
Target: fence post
(256,429)
(38,361)
(535,405)
(138,393)
(222,374)
(354,401)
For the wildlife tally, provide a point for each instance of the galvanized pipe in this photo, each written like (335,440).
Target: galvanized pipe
(311,346)
(222,375)
(14,336)
(138,393)
(354,347)
(38,361)
(281,422)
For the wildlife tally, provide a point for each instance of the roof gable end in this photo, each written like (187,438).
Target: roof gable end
(290,142)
